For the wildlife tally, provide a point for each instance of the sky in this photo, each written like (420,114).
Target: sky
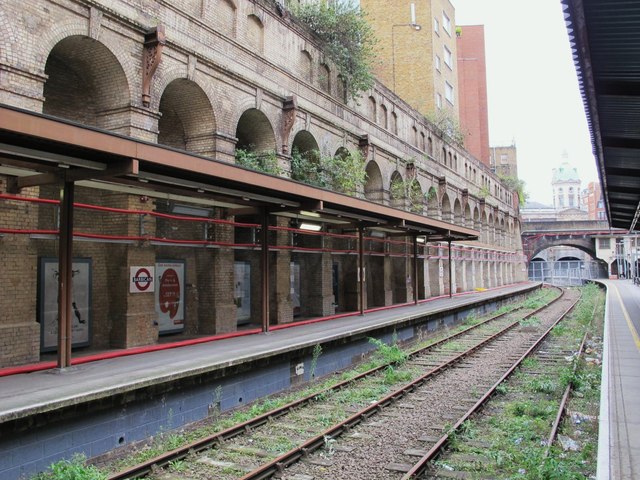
(532,87)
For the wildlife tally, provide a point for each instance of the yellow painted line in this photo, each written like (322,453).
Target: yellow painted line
(632,328)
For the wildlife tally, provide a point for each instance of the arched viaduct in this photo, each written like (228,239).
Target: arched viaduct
(213,78)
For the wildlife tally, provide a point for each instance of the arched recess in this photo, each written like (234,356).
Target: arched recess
(226,17)
(324,78)
(85,81)
(433,206)
(188,121)
(484,229)
(394,123)
(255,33)
(477,224)
(503,235)
(384,117)
(416,198)
(341,89)
(491,229)
(373,109)
(374,188)
(306,64)
(468,221)
(305,158)
(396,190)
(446,209)
(255,133)
(457,212)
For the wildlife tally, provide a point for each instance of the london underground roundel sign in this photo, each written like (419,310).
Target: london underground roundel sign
(141,279)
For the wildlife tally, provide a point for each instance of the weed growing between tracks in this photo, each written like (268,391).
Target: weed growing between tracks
(397,372)
(510,440)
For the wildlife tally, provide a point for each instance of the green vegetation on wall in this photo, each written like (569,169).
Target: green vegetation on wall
(347,37)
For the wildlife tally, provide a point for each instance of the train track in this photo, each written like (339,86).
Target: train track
(253,449)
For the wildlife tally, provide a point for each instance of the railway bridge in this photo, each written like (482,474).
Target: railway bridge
(540,235)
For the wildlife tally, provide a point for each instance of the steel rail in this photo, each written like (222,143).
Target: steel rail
(563,403)
(145,468)
(421,465)
(277,465)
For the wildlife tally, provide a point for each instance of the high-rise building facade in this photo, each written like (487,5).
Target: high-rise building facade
(504,161)
(593,202)
(417,49)
(472,86)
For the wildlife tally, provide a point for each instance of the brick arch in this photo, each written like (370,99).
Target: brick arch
(78,88)
(187,121)
(49,38)
(457,212)
(7,41)
(397,198)
(254,131)
(445,208)
(433,204)
(374,187)
(468,220)
(304,141)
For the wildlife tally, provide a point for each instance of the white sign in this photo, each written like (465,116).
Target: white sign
(141,280)
(80,302)
(170,296)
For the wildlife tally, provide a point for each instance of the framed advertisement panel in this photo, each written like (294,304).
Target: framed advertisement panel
(48,303)
(170,296)
(242,291)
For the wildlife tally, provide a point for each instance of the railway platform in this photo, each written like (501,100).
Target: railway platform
(97,406)
(619,437)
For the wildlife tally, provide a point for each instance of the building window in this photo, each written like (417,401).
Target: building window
(448,92)
(504,158)
(436,25)
(604,243)
(448,58)
(602,216)
(600,204)
(438,100)
(446,23)
(437,63)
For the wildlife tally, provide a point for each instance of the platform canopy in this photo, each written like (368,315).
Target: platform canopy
(37,149)
(605,38)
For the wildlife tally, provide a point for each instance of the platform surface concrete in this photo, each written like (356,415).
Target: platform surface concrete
(619,432)
(22,395)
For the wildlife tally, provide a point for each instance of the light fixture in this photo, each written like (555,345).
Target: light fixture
(422,240)
(312,227)
(309,214)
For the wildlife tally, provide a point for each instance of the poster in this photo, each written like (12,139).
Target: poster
(242,291)
(80,303)
(295,288)
(169,294)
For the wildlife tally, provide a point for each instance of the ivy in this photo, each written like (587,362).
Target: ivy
(410,191)
(347,38)
(516,185)
(447,124)
(265,162)
(342,173)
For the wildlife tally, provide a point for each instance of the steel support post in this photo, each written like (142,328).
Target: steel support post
(65,275)
(415,269)
(264,264)
(361,268)
(450,277)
